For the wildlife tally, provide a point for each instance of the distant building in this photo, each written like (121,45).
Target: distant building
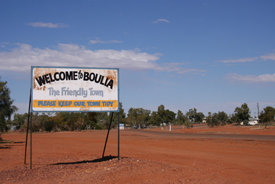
(253,121)
(204,120)
(12,127)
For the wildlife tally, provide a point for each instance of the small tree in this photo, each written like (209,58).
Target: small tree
(49,125)
(242,113)
(103,120)
(169,116)
(213,119)
(122,116)
(19,119)
(187,123)
(209,120)
(155,118)
(37,122)
(161,112)
(222,117)
(199,117)
(180,118)
(131,116)
(6,106)
(191,114)
(267,116)
(92,120)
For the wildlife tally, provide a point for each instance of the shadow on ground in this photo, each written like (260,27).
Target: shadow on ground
(88,161)
(5,147)
(7,144)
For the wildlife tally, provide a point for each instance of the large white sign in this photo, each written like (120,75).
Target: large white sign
(74,89)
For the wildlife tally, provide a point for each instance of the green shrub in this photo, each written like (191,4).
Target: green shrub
(49,125)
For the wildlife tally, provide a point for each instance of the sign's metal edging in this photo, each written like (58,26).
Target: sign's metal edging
(96,88)
(47,77)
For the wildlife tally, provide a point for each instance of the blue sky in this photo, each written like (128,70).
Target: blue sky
(210,55)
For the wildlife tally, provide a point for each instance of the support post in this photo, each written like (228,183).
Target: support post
(107,135)
(31,143)
(26,143)
(118,137)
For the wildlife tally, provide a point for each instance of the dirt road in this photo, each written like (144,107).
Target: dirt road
(146,157)
(205,136)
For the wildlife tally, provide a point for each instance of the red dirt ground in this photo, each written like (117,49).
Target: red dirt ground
(147,156)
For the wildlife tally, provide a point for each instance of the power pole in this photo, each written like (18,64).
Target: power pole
(258,115)
(258,109)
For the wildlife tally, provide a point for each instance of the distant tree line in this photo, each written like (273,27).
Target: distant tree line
(241,114)
(136,117)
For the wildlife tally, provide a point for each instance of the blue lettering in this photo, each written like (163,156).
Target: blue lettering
(46,103)
(65,103)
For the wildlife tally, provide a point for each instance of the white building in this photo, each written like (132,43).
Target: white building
(252,121)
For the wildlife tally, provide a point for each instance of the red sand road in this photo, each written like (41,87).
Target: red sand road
(146,157)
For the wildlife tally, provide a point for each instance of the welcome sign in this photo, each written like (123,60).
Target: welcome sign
(74,89)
